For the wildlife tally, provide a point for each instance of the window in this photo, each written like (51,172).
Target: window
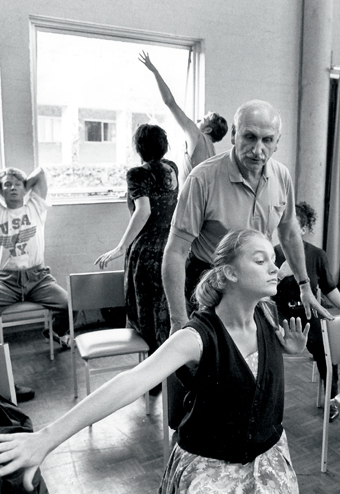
(90,95)
(99,131)
(49,129)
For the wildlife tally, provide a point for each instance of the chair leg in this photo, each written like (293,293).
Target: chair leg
(87,377)
(325,430)
(319,391)
(166,439)
(314,372)
(73,353)
(1,332)
(49,325)
(74,368)
(141,357)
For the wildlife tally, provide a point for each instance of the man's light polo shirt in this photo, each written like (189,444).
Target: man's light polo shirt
(216,198)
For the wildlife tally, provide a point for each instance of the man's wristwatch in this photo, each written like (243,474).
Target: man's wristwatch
(304,282)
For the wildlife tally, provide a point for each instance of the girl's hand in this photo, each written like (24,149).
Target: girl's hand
(22,450)
(109,256)
(294,339)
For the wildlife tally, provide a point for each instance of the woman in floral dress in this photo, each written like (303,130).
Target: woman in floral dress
(152,198)
(229,357)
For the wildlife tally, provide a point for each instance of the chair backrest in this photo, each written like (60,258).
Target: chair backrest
(333,330)
(97,290)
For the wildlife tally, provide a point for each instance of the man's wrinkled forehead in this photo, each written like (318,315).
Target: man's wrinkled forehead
(258,113)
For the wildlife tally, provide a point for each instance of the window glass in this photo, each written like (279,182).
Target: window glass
(92,93)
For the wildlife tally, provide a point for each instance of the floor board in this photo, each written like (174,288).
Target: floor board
(122,454)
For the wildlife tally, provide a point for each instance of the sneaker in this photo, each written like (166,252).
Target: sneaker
(333,411)
(337,400)
(64,341)
(23,393)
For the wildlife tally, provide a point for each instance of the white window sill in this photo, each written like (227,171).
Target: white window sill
(85,196)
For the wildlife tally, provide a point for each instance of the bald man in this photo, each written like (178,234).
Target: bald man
(242,188)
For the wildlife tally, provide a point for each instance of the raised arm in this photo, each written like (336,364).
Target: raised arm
(29,450)
(137,221)
(187,125)
(37,182)
(292,246)
(173,277)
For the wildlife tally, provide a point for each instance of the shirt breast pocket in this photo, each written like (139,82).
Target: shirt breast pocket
(274,217)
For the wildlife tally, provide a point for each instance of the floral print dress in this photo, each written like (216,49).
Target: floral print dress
(270,473)
(146,305)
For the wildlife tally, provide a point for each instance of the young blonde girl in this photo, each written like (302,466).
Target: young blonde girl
(229,357)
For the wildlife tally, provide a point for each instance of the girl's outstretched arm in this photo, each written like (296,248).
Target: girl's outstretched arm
(27,451)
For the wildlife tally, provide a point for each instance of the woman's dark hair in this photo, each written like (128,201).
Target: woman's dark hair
(306,214)
(214,284)
(151,143)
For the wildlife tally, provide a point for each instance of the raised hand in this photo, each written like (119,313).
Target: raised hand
(294,339)
(145,59)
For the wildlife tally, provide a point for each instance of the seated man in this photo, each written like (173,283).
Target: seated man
(23,274)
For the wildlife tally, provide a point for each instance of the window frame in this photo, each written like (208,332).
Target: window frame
(2,147)
(68,27)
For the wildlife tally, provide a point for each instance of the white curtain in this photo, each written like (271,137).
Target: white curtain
(333,225)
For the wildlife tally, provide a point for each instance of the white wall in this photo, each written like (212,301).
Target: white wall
(252,50)
(336,34)
(77,235)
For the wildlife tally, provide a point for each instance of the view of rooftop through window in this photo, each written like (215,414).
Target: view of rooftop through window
(92,93)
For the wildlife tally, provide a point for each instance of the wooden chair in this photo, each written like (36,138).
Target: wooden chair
(99,290)
(331,341)
(7,389)
(26,314)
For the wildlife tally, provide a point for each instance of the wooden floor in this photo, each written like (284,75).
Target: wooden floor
(123,453)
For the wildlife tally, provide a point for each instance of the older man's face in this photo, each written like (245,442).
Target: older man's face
(256,138)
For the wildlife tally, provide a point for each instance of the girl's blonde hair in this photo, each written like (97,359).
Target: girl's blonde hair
(213,283)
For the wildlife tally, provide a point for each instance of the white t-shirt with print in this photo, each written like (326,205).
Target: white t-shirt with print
(22,242)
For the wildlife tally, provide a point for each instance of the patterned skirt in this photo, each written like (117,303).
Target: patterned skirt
(270,473)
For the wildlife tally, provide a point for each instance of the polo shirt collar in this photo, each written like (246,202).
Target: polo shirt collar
(234,172)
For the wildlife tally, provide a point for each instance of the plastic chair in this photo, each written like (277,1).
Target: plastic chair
(7,389)
(99,290)
(27,313)
(331,341)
